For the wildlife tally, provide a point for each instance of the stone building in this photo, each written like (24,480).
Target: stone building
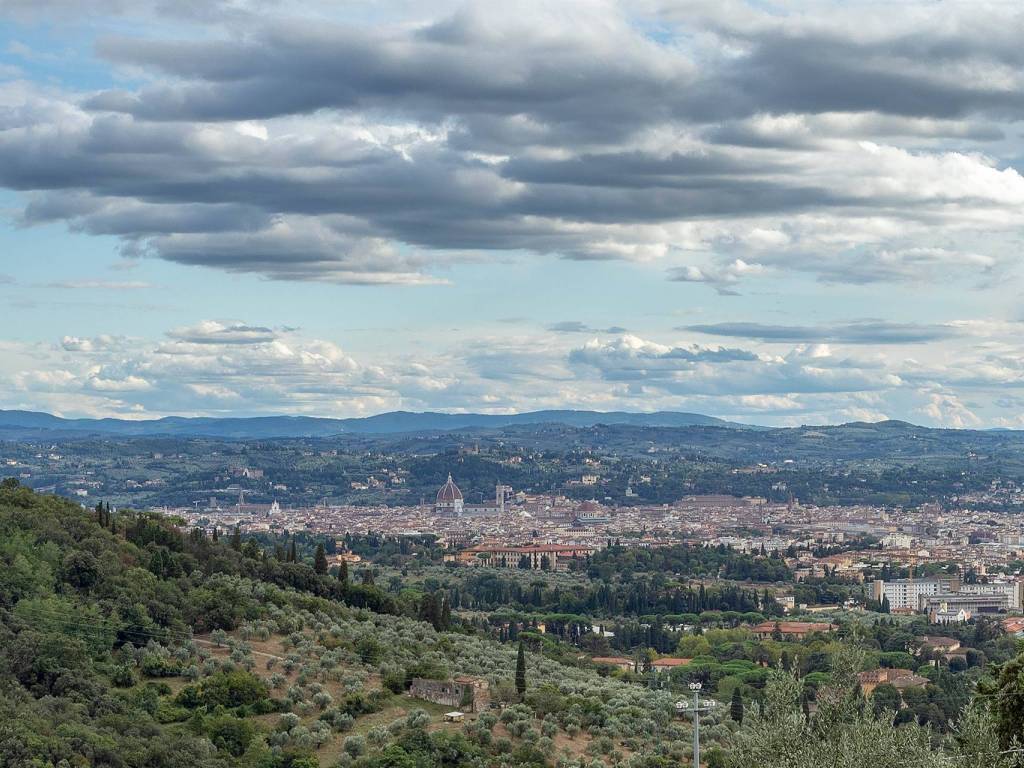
(469,694)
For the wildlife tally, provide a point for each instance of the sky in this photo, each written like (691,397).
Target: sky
(776,213)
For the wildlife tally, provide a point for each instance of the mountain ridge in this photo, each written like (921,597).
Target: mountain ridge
(22,423)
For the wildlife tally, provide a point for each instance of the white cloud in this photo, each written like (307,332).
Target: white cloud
(947,410)
(241,367)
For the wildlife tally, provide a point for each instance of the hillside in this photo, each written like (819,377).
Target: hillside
(126,643)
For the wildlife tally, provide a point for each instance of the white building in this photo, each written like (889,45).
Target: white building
(1012,589)
(897,541)
(904,594)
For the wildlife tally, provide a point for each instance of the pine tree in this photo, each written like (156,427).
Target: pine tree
(521,670)
(736,706)
(320,560)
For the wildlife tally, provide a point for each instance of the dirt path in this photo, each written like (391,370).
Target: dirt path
(212,644)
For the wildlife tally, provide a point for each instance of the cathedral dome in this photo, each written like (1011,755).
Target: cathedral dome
(449,492)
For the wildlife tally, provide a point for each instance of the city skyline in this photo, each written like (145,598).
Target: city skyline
(771,214)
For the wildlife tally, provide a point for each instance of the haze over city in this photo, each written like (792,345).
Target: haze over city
(781,214)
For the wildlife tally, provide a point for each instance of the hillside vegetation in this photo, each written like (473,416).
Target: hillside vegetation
(126,642)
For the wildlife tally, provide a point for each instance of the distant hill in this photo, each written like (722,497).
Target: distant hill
(24,424)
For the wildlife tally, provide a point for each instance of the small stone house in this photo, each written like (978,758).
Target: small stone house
(469,694)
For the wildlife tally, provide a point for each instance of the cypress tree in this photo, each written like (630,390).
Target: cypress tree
(446,613)
(343,572)
(736,706)
(236,538)
(292,556)
(320,560)
(521,670)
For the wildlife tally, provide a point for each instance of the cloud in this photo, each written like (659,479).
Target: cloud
(127,384)
(247,368)
(100,343)
(483,60)
(720,371)
(857,332)
(800,63)
(576,326)
(298,144)
(948,411)
(216,332)
(720,277)
(99,285)
(818,156)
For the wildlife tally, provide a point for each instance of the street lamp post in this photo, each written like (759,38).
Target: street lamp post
(682,707)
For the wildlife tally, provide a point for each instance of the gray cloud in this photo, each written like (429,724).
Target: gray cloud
(858,332)
(301,149)
(217,333)
(564,74)
(576,326)
(721,371)
(463,64)
(100,285)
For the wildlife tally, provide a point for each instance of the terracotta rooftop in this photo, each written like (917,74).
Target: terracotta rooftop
(670,662)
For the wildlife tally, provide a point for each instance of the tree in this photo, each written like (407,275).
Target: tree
(236,538)
(521,670)
(80,569)
(736,706)
(320,560)
(839,733)
(292,556)
(1007,695)
(446,613)
(885,604)
(885,697)
(343,572)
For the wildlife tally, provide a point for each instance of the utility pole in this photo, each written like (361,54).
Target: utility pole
(696,707)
